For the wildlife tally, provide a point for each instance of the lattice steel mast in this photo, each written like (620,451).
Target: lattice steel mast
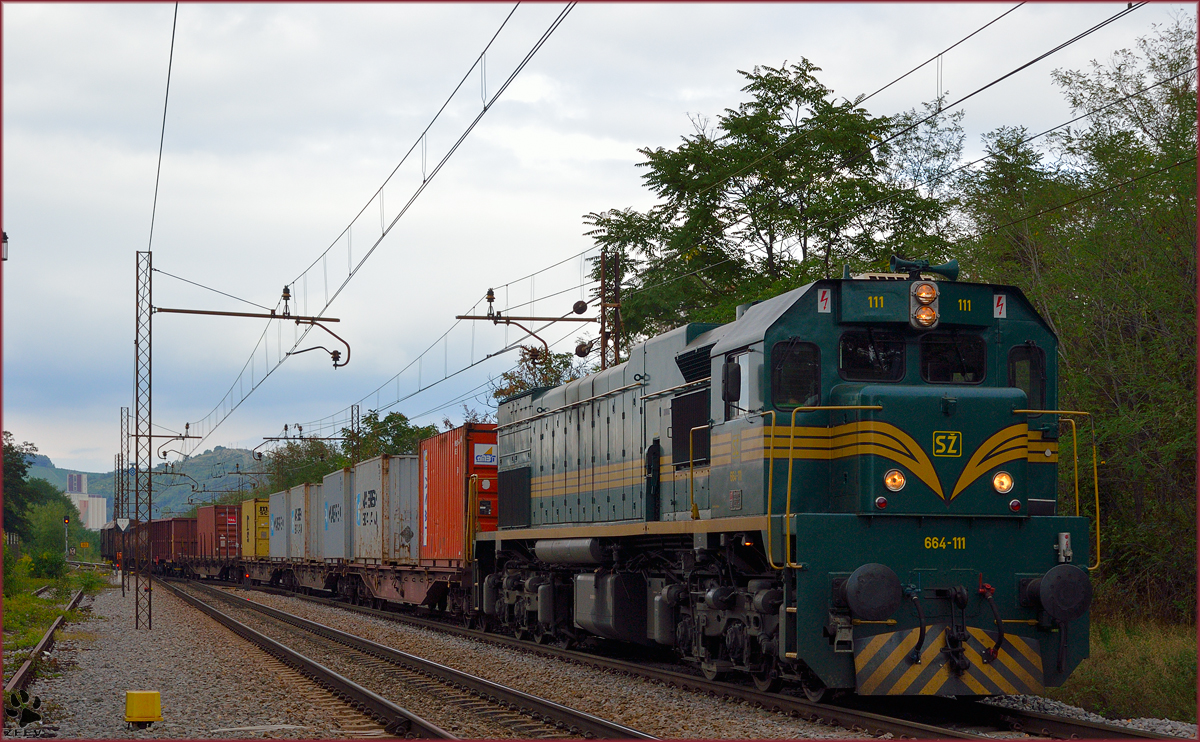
(143,447)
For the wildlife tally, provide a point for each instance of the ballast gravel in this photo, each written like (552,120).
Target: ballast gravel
(1048,706)
(670,713)
(209,678)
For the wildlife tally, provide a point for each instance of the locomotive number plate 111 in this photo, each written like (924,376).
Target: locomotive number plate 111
(941,542)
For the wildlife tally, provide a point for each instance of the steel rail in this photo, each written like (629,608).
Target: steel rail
(1030,722)
(396,720)
(1048,725)
(579,721)
(24,674)
(844,717)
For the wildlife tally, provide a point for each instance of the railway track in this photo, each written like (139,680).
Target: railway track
(393,719)
(24,674)
(512,712)
(916,718)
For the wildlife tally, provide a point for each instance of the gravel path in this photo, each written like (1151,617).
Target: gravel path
(635,702)
(209,678)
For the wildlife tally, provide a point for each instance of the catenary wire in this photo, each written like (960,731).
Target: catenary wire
(1087,196)
(949,106)
(271,369)
(935,56)
(415,143)
(162,135)
(209,288)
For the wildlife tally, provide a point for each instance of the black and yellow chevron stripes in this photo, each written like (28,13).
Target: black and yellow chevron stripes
(883,665)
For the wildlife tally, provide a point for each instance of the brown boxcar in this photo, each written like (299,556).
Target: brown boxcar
(183,537)
(160,541)
(447,463)
(218,533)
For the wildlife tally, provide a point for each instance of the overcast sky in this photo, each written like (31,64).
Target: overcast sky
(283,122)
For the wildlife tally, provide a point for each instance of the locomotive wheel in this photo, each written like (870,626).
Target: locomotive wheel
(814,690)
(710,673)
(767,681)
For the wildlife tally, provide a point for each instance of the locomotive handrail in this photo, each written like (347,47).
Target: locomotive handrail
(1075,457)
(662,392)
(787,517)
(692,468)
(545,413)
(471,519)
(770,492)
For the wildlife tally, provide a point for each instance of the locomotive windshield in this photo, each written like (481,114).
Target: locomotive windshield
(870,355)
(796,374)
(953,358)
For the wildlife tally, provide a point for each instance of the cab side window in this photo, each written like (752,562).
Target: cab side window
(795,374)
(1027,372)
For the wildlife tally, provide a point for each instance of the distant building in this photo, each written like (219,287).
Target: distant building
(97,514)
(77,484)
(92,510)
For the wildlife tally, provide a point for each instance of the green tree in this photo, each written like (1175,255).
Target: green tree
(392,434)
(534,370)
(1114,271)
(46,524)
(298,461)
(18,498)
(777,192)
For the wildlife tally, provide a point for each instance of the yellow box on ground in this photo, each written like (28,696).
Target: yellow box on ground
(142,706)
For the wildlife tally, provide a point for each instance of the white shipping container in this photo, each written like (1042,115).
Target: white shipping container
(315,523)
(337,494)
(280,525)
(406,510)
(386,509)
(371,502)
(297,511)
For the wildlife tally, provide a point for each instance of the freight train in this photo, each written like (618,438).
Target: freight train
(851,487)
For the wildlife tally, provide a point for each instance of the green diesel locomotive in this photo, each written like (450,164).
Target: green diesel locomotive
(852,486)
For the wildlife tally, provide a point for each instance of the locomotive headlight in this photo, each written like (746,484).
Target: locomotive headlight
(925,316)
(894,480)
(1003,482)
(925,292)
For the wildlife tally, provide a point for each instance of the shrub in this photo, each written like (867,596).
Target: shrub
(14,575)
(49,564)
(90,581)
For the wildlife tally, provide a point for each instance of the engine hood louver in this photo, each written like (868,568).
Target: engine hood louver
(694,364)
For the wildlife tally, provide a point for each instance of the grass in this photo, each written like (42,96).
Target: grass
(1136,669)
(26,617)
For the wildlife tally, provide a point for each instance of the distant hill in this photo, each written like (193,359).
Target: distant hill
(215,469)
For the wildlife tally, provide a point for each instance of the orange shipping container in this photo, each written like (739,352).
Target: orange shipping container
(447,463)
(217,531)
